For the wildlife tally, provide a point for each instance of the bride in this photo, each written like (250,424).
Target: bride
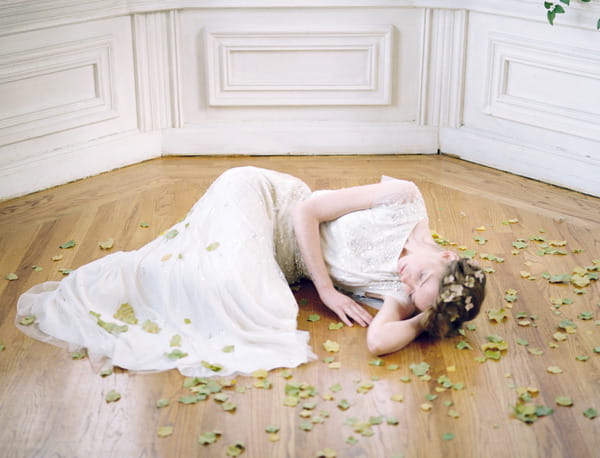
(211,296)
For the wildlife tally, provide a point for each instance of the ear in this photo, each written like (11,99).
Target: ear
(450,256)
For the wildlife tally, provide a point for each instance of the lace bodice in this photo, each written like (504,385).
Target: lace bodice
(361,248)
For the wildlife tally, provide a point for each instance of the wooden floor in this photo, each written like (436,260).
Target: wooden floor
(52,405)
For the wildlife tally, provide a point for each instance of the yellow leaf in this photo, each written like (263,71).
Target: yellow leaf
(397,397)
(126,314)
(107,244)
(426,406)
(260,373)
(331,346)
(166,257)
(164,431)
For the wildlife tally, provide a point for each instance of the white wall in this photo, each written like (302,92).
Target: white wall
(88,86)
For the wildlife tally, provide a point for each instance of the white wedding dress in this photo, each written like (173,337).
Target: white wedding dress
(215,285)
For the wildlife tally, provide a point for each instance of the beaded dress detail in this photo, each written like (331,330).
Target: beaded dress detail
(361,248)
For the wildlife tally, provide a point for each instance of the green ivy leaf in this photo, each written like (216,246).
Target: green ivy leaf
(590,413)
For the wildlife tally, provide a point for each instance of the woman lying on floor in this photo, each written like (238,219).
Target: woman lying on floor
(219,279)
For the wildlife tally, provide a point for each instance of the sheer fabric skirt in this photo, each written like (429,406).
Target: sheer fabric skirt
(210,288)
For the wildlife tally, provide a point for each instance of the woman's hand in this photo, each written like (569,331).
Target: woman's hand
(345,308)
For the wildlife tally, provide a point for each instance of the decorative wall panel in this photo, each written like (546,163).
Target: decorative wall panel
(532,84)
(46,90)
(308,67)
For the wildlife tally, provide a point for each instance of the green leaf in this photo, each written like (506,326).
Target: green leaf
(126,314)
(590,413)
(172,234)
(447,436)
(336,326)
(150,327)
(190,399)
(79,354)
(106,244)
(112,396)
(469,254)
(464,345)
(564,401)
(542,411)
(228,349)
(37,268)
(558,9)
(212,367)
(313,317)
(419,369)
(236,449)
(566,2)
(161,403)
(27,320)
(144,224)
(520,244)
(551,15)
(272,429)
(164,431)
(176,354)
(377,362)
(343,404)
(598,25)
(209,437)
(548,5)
(69,244)
(213,246)
(306,425)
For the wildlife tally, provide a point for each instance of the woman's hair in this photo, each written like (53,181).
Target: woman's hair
(462,289)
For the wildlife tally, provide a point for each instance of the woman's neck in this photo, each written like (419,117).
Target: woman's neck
(420,239)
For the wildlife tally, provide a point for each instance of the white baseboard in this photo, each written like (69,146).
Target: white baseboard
(75,162)
(270,138)
(540,162)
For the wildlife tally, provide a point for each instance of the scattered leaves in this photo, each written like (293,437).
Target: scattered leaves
(69,244)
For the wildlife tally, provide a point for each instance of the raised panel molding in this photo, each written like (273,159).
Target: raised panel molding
(443,63)
(46,90)
(308,67)
(532,84)
(156,55)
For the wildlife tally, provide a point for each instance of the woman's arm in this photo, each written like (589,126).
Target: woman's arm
(393,327)
(308,215)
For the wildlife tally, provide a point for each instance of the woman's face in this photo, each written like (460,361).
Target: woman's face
(421,273)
